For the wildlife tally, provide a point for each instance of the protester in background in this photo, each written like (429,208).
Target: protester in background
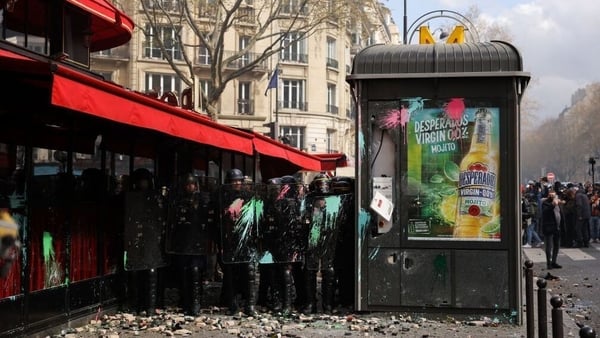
(595,219)
(529,219)
(570,213)
(582,222)
(552,218)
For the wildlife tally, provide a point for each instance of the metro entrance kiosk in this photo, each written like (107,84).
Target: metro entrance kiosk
(416,135)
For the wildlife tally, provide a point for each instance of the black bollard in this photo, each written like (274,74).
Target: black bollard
(587,332)
(529,299)
(542,309)
(557,317)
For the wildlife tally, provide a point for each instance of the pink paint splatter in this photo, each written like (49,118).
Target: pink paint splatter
(235,208)
(283,192)
(455,108)
(395,118)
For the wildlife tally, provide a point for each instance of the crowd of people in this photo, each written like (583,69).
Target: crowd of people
(559,215)
(268,243)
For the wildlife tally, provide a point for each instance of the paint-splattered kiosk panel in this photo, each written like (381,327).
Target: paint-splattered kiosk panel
(438,223)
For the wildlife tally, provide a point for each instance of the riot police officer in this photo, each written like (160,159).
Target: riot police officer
(343,186)
(190,238)
(322,240)
(284,238)
(238,244)
(144,242)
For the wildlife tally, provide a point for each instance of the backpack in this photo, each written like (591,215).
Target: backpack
(533,209)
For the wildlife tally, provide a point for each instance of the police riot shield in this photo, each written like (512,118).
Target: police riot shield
(284,225)
(239,210)
(144,233)
(191,225)
(327,213)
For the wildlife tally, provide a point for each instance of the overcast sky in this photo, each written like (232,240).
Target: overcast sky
(559,40)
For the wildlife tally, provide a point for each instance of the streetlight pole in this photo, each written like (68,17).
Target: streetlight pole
(405,26)
(592,162)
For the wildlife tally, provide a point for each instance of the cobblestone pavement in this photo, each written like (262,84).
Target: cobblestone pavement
(214,322)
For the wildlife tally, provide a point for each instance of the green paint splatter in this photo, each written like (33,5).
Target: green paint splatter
(267,258)
(361,144)
(47,247)
(364,217)
(315,229)
(439,265)
(333,206)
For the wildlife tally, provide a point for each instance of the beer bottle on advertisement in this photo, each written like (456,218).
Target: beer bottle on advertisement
(477,181)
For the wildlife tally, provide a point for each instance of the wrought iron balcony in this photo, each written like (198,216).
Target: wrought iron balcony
(245,107)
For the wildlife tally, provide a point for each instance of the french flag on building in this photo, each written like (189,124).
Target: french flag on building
(274,81)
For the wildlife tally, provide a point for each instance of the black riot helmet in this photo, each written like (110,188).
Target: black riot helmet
(288,179)
(142,179)
(274,180)
(320,184)
(234,175)
(187,182)
(342,185)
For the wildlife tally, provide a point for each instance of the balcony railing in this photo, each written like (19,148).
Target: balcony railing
(332,63)
(332,109)
(246,15)
(292,9)
(245,107)
(294,57)
(303,106)
(121,52)
(244,60)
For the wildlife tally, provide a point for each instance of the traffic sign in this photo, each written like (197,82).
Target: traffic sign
(550,177)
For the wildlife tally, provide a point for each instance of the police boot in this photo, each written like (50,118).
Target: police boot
(151,292)
(133,298)
(310,284)
(184,289)
(228,294)
(196,294)
(327,289)
(250,308)
(263,285)
(287,290)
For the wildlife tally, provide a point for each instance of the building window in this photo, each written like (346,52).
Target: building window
(244,100)
(204,57)
(168,35)
(106,75)
(205,86)
(167,5)
(293,136)
(331,99)
(331,53)
(162,83)
(244,41)
(294,6)
(293,95)
(330,141)
(293,48)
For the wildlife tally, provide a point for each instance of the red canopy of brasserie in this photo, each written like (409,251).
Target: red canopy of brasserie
(109,26)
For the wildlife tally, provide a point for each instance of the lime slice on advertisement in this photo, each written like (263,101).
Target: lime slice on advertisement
(491,227)
(451,171)
(448,208)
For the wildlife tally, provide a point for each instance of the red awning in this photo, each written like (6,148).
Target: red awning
(110,26)
(267,146)
(332,161)
(77,91)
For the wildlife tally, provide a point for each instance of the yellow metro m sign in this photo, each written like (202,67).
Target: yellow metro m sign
(457,35)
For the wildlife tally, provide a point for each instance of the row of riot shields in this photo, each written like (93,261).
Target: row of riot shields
(266,223)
